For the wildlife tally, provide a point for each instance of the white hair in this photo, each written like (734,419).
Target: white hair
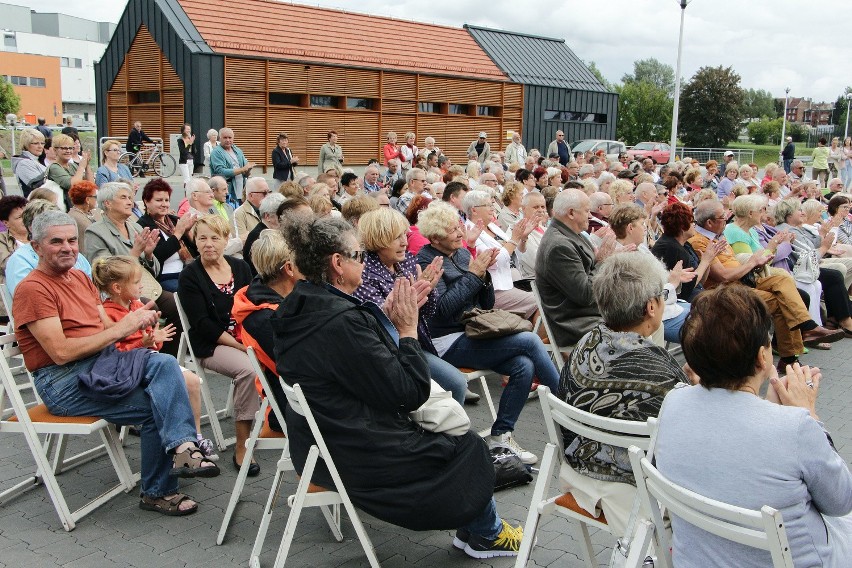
(566,200)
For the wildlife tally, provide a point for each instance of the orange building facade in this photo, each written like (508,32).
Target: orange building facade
(36,79)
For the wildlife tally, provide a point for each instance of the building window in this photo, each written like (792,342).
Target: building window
(78,63)
(285,99)
(459,109)
(37,82)
(427,107)
(355,103)
(144,97)
(321,101)
(487,111)
(10,41)
(573,116)
(63,62)
(71,62)
(17,80)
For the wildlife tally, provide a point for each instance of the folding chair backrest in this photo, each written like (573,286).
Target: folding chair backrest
(9,389)
(297,401)
(557,354)
(762,529)
(258,369)
(610,431)
(7,303)
(184,322)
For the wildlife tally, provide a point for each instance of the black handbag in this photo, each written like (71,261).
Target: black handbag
(509,470)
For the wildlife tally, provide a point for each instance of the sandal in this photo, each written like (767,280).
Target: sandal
(170,507)
(822,346)
(190,463)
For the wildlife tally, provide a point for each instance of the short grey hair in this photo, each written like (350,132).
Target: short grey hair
(473,199)
(394,161)
(566,200)
(195,184)
(784,209)
(225,129)
(211,132)
(797,164)
(586,169)
(599,198)
(109,190)
(706,210)
(217,182)
(270,204)
(409,175)
(254,181)
(48,219)
(623,285)
(745,204)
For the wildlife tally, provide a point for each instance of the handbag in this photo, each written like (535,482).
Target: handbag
(806,268)
(489,324)
(151,289)
(509,470)
(750,279)
(441,413)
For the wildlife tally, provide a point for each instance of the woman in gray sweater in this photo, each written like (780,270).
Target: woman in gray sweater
(721,440)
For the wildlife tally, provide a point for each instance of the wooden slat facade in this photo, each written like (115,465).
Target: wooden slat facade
(394,97)
(145,70)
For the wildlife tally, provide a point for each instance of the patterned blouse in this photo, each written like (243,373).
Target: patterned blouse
(228,289)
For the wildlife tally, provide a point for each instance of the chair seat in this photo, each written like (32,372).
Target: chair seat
(313,487)
(567,501)
(267,432)
(40,413)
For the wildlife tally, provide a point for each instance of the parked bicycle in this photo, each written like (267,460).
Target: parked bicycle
(149,158)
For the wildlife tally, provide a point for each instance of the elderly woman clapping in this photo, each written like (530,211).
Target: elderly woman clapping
(719,437)
(383,233)
(467,283)
(30,172)
(608,375)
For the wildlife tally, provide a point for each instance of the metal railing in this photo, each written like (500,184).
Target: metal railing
(704,155)
(123,141)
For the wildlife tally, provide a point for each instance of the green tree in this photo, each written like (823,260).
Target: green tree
(10,102)
(838,116)
(711,108)
(652,71)
(644,112)
(597,73)
(758,104)
(765,131)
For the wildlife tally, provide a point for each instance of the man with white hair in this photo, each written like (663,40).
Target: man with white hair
(533,206)
(788,154)
(200,198)
(305,181)
(371,179)
(600,205)
(586,171)
(268,220)
(564,268)
(515,152)
(392,174)
(416,180)
(228,161)
(496,169)
(645,194)
(780,176)
(247,216)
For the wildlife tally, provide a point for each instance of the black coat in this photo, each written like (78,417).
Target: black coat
(361,386)
(166,247)
(207,309)
(281,164)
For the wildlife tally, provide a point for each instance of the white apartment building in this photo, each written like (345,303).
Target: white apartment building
(77,42)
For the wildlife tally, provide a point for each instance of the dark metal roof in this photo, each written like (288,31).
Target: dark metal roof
(535,60)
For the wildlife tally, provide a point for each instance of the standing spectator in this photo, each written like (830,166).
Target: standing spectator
(228,161)
(408,152)
(45,131)
(84,208)
(846,170)
(212,142)
(788,154)
(331,155)
(68,129)
(560,148)
(480,147)
(727,158)
(135,138)
(819,166)
(186,150)
(515,152)
(835,157)
(391,149)
(110,169)
(431,148)
(283,161)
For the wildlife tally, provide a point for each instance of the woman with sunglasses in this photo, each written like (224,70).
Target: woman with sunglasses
(64,171)
(110,169)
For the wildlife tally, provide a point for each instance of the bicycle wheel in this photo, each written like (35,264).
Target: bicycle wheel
(130,160)
(164,165)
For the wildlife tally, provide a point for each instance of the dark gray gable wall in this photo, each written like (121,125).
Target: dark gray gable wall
(201,71)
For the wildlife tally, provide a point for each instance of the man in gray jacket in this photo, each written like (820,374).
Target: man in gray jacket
(564,267)
(561,148)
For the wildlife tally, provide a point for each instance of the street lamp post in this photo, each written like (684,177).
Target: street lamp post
(676,109)
(784,126)
(848,100)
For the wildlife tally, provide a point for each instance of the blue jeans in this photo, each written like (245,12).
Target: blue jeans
(488,524)
(671,327)
(450,378)
(521,356)
(170,282)
(160,406)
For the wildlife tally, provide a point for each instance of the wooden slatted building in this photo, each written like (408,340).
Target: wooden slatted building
(262,67)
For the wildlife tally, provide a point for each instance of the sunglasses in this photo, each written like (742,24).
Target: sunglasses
(358,256)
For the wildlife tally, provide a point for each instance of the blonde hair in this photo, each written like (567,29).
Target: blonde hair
(61,140)
(619,188)
(109,270)
(290,189)
(215,223)
(379,228)
(320,205)
(269,253)
(434,221)
(105,147)
(513,189)
(30,135)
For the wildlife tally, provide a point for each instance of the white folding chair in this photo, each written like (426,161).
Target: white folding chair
(554,349)
(36,420)
(310,495)
(763,529)
(187,358)
(481,376)
(558,414)
(262,438)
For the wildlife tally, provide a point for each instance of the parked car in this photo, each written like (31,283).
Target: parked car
(611,147)
(657,151)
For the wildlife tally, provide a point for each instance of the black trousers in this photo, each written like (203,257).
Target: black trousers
(835,294)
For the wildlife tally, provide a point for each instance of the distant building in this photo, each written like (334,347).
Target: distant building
(804,111)
(35,78)
(76,44)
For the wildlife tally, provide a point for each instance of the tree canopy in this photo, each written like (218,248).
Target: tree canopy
(644,112)
(711,108)
(652,71)
(10,102)
(758,104)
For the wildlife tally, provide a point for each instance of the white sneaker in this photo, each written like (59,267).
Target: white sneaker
(507,441)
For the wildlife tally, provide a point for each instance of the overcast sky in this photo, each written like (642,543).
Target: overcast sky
(772,44)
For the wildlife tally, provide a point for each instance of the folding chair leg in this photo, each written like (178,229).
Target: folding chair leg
(218,436)
(274,492)
(243,474)
(59,453)
(332,517)
(640,544)
(44,472)
(296,510)
(483,383)
(118,458)
(534,516)
(589,551)
(366,543)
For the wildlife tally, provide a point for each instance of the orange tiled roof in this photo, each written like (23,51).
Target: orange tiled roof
(290,31)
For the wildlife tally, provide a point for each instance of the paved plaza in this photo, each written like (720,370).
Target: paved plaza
(119,534)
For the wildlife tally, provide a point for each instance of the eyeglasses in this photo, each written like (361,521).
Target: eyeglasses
(358,256)
(261,192)
(419,179)
(665,294)
(68,148)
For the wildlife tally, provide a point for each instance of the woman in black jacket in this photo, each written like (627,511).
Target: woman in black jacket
(361,392)
(206,289)
(186,153)
(283,160)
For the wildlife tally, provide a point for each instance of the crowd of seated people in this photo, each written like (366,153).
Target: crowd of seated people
(329,266)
